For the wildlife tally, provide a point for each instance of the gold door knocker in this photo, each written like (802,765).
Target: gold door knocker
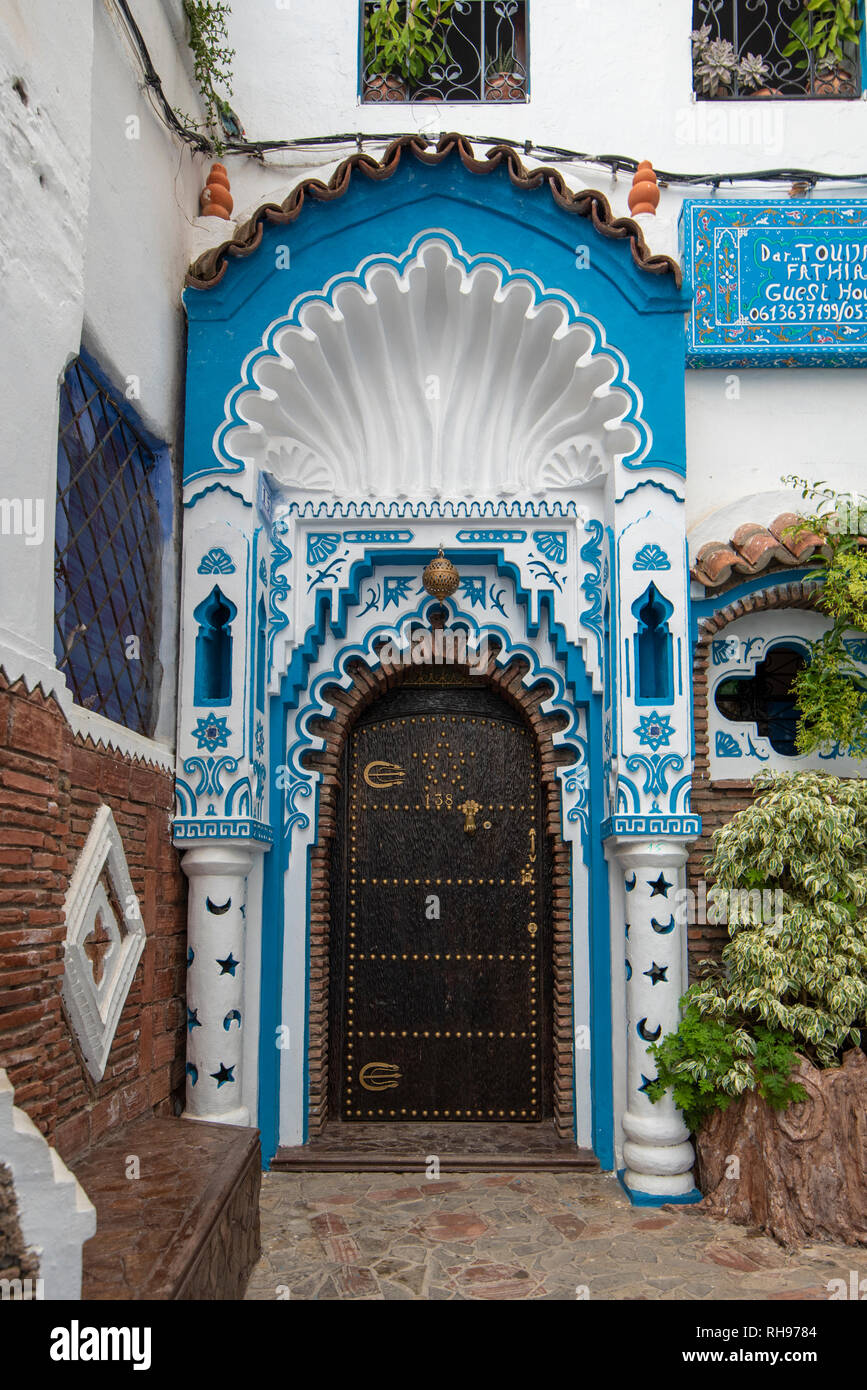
(469,809)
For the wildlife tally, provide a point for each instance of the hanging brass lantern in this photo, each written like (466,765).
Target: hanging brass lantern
(440,578)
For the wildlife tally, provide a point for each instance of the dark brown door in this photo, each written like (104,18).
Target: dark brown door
(443,994)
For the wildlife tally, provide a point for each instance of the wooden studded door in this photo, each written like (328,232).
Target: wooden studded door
(442,996)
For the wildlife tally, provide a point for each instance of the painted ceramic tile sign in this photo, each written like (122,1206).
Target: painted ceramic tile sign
(776,284)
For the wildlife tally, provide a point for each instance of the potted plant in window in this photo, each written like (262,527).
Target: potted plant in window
(503,79)
(716,67)
(402,39)
(820,32)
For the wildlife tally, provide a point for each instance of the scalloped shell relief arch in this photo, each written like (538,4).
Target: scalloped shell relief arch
(434,374)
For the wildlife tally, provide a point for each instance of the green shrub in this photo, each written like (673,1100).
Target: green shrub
(831,692)
(794,984)
(708,1064)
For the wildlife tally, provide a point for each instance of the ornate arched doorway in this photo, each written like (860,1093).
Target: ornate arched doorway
(433,366)
(412,757)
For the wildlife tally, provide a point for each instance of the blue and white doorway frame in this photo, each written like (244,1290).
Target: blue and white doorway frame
(437,369)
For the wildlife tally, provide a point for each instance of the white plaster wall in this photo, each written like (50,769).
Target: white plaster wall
(94,242)
(746,429)
(613,77)
(143,192)
(44,172)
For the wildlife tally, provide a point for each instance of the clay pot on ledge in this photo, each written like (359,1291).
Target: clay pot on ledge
(385,86)
(504,86)
(834,82)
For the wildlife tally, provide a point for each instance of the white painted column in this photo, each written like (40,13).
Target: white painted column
(215,980)
(657,1151)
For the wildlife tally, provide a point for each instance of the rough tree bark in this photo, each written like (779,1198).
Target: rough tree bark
(803,1171)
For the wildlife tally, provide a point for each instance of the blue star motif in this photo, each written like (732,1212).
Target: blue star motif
(655,730)
(192,1019)
(211,733)
(659,887)
(223,1075)
(229,964)
(645,1082)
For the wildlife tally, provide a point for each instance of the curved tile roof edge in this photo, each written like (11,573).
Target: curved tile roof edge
(210,266)
(754,548)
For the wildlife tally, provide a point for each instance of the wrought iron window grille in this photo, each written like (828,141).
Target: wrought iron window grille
(765,698)
(740,34)
(107,553)
(478,53)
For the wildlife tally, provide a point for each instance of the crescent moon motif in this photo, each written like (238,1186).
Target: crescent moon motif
(630,886)
(643,1033)
(233,1016)
(218,910)
(379,774)
(662,928)
(380,1076)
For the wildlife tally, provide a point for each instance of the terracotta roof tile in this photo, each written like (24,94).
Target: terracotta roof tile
(753,548)
(211,265)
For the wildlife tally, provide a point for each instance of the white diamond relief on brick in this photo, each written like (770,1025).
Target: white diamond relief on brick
(105,937)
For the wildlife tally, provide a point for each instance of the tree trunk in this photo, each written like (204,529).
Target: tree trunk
(802,1172)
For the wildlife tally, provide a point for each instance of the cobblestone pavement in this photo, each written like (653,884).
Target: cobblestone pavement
(531,1236)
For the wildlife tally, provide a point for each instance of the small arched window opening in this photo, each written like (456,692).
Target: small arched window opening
(213,683)
(653,648)
(766,699)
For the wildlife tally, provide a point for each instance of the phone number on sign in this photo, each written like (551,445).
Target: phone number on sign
(808,313)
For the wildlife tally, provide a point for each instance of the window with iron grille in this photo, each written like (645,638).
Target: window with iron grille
(765,698)
(777,48)
(444,50)
(107,552)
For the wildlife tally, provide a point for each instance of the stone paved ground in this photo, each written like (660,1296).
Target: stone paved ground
(389,1236)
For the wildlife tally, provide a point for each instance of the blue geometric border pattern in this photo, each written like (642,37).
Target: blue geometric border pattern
(317,707)
(683,827)
(333,610)
(219,829)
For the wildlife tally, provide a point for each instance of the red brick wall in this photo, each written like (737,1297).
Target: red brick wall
(716,802)
(51,785)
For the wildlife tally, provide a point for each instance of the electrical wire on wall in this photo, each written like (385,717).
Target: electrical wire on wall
(614,163)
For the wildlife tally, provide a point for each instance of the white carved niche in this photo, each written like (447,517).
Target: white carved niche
(95,989)
(431,378)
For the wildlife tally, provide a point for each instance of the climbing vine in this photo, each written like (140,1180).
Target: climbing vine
(831,692)
(212,67)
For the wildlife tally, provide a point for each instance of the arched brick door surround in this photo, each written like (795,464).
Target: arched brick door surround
(368,684)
